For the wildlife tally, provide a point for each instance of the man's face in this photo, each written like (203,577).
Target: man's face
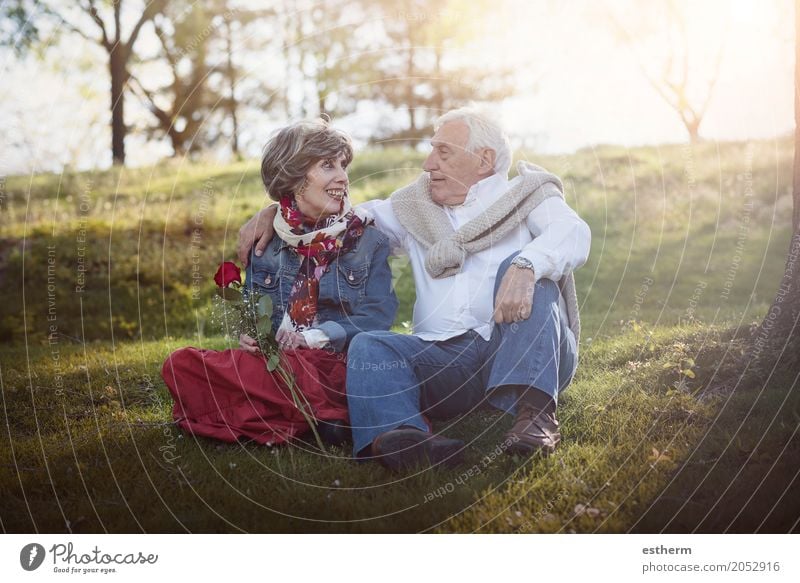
(453,170)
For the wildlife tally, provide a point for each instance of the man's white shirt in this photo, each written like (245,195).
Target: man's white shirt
(553,238)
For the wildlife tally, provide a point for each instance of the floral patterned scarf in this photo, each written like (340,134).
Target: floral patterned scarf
(318,248)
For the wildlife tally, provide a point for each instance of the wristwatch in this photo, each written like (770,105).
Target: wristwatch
(520,261)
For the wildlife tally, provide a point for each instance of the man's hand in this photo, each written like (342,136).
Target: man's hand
(514,299)
(257,230)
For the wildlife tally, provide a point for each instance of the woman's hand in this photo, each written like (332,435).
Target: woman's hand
(248,344)
(289,340)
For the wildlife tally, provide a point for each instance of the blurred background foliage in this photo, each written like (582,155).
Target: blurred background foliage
(154,237)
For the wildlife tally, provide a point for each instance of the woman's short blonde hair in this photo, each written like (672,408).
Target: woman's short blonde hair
(293,150)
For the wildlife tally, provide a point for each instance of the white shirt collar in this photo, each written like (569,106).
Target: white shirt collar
(489,188)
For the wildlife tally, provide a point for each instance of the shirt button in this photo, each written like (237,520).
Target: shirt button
(350,277)
(268,280)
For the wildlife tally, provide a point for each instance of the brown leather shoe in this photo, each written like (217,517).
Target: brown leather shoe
(533,431)
(405,448)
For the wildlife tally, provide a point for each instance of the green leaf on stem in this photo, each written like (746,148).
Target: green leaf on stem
(230,294)
(263,326)
(273,362)
(265,306)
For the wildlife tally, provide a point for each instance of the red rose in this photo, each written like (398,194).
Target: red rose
(228,273)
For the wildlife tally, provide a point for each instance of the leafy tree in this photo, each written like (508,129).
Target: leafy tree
(328,54)
(420,70)
(665,24)
(198,43)
(24,23)
(181,106)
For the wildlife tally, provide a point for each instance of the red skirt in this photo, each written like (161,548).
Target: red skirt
(231,396)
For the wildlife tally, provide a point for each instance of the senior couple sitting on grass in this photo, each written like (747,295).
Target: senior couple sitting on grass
(495,321)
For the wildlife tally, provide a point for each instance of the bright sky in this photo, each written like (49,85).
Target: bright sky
(578,86)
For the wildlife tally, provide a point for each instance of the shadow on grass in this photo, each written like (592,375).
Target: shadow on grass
(742,476)
(102,456)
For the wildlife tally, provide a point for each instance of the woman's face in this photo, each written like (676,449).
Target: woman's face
(325,189)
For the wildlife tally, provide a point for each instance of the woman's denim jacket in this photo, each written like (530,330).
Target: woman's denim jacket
(355,294)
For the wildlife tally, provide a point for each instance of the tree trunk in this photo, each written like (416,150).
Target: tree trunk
(796,176)
(438,96)
(232,103)
(119,73)
(178,141)
(412,105)
(321,103)
(778,331)
(777,336)
(235,140)
(693,128)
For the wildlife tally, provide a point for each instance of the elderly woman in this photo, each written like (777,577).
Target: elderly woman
(328,275)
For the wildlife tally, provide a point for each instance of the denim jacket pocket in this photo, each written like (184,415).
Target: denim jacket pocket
(270,278)
(266,279)
(353,276)
(343,286)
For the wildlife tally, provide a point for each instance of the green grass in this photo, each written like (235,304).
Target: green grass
(670,291)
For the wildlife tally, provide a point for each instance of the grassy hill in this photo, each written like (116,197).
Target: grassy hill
(102,274)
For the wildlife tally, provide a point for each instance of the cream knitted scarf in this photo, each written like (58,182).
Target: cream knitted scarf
(447,248)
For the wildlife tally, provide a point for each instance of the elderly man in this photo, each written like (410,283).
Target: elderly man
(496,317)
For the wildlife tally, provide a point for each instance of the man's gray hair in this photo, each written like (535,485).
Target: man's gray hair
(484,132)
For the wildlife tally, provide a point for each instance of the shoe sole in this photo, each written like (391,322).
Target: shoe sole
(405,450)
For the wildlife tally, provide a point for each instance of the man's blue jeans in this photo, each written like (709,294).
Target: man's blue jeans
(394,379)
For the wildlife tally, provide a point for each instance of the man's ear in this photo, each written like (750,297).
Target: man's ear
(488,157)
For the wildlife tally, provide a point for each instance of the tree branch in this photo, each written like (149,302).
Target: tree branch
(117,20)
(680,23)
(91,10)
(72,28)
(149,12)
(163,116)
(162,37)
(717,68)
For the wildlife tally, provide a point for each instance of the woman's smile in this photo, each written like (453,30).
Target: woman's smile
(325,188)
